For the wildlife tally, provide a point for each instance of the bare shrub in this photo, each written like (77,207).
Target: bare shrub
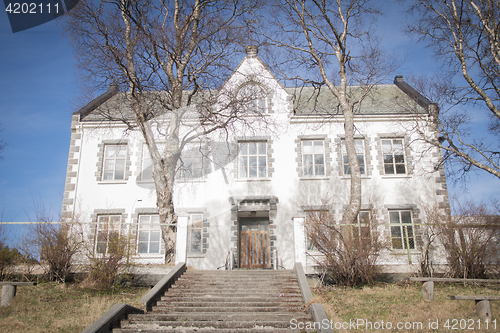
(471,240)
(349,252)
(55,245)
(105,263)
(430,234)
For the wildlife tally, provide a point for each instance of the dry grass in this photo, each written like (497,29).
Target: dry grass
(53,307)
(404,304)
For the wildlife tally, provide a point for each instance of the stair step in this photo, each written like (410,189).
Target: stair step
(224,301)
(235,293)
(257,329)
(210,316)
(246,309)
(234,303)
(201,324)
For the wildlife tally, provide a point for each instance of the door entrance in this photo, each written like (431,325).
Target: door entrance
(254,243)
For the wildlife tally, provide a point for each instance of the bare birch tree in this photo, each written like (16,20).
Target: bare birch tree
(334,40)
(167,55)
(465,36)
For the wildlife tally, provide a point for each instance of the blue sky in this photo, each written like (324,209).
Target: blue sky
(38,87)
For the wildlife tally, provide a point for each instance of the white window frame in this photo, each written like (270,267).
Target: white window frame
(359,145)
(149,235)
(110,169)
(391,158)
(107,226)
(249,160)
(313,168)
(195,227)
(402,233)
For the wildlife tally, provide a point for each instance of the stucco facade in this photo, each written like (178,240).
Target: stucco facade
(263,178)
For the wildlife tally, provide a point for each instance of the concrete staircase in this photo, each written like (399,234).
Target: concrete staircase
(225,301)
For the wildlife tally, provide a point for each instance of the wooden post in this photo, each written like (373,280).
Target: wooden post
(8,293)
(483,310)
(428,290)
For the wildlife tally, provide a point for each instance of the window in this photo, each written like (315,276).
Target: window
(253,160)
(402,234)
(108,231)
(114,162)
(253,98)
(361,231)
(147,164)
(148,234)
(394,156)
(193,163)
(195,229)
(313,157)
(360,152)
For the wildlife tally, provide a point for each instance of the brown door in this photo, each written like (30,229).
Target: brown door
(254,243)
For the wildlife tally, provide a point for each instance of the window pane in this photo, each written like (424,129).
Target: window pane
(143,236)
(110,151)
(119,174)
(394,217)
(386,146)
(154,247)
(398,145)
(243,166)
(319,159)
(396,243)
(252,148)
(318,147)
(389,169)
(252,172)
(396,231)
(154,236)
(109,164)
(262,148)
(388,159)
(399,158)
(244,148)
(121,151)
(262,161)
(101,247)
(400,169)
(308,164)
(307,147)
(320,170)
(108,175)
(142,248)
(405,217)
(358,145)
(364,217)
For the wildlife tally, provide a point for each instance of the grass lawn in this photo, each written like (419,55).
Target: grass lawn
(53,307)
(404,305)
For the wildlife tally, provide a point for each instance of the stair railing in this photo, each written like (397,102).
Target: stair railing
(228,263)
(276,261)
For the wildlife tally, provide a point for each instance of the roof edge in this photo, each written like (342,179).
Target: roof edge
(87,109)
(412,93)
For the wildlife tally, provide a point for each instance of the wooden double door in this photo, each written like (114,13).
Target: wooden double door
(254,242)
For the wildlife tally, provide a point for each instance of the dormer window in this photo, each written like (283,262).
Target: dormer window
(253,98)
